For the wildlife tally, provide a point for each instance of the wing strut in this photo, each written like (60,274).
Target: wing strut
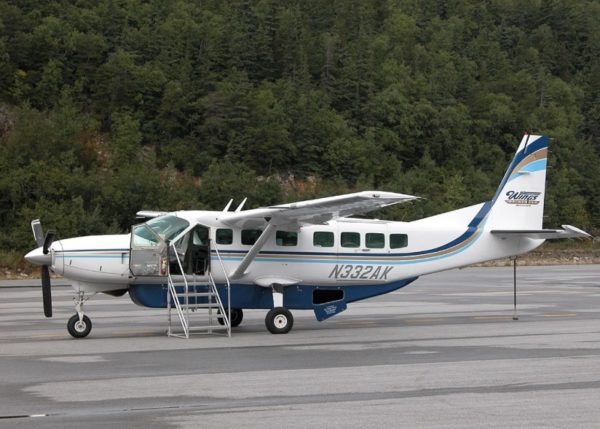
(241,269)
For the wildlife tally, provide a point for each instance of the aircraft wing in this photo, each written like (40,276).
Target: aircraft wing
(316,211)
(568,231)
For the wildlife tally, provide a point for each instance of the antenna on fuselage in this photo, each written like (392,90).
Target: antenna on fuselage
(239,208)
(228,205)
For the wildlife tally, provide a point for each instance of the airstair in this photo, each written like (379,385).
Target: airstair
(195,298)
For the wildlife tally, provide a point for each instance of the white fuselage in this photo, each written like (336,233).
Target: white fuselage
(101,263)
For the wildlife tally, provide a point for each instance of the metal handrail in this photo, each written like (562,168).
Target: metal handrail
(182,318)
(185,282)
(226,317)
(228,290)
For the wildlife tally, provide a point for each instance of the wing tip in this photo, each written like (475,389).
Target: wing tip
(388,195)
(576,232)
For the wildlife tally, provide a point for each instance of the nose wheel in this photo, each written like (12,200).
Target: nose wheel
(79,328)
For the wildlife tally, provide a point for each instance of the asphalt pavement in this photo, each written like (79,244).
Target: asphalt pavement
(443,352)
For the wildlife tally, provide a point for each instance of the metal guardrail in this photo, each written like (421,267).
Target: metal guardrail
(228,292)
(172,293)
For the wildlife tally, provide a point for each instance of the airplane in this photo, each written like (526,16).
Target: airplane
(307,255)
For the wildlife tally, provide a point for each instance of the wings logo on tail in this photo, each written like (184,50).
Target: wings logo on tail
(523,198)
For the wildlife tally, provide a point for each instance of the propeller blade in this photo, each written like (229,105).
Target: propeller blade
(46,292)
(48,241)
(38,233)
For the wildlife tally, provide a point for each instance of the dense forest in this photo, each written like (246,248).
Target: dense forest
(112,106)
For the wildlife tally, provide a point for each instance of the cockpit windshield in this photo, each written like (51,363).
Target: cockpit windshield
(163,228)
(168,227)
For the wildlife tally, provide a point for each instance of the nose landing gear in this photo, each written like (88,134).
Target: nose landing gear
(79,326)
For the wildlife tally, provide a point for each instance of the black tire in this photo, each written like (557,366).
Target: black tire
(237,315)
(279,321)
(77,329)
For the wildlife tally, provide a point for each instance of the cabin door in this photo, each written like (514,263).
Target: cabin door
(149,256)
(152,255)
(193,251)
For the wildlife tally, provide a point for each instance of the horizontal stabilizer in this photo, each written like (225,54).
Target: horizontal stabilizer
(568,231)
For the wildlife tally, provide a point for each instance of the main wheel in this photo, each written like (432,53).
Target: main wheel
(279,321)
(79,329)
(237,315)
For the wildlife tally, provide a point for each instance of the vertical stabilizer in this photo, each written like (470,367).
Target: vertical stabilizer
(519,200)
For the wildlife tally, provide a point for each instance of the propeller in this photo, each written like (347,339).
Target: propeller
(44,260)
(46,286)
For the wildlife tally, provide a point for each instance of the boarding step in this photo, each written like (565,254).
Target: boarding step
(196,294)
(191,287)
(179,280)
(193,306)
(208,328)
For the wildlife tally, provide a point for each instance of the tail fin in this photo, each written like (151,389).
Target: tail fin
(519,200)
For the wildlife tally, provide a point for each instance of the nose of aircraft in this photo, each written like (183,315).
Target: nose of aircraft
(37,257)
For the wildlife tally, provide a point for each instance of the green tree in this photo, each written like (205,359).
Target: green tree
(126,138)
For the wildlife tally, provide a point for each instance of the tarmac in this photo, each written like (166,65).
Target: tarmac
(442,352)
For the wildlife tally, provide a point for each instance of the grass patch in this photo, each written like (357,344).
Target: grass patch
(12,260)
(13,265)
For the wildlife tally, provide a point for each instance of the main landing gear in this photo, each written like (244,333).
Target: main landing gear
(279,320)
(79,326)
(237,315)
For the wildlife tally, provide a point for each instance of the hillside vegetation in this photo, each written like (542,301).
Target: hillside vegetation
(112,106)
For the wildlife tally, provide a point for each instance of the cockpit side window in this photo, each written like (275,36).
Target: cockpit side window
(144,237)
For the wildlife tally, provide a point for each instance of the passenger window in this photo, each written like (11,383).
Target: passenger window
(375,240)
(224,236)
(323,239)
(249,236)
(398,241)
(286,238)
(350,239)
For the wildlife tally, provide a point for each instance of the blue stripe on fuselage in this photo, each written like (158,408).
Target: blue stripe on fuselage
(298,297)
